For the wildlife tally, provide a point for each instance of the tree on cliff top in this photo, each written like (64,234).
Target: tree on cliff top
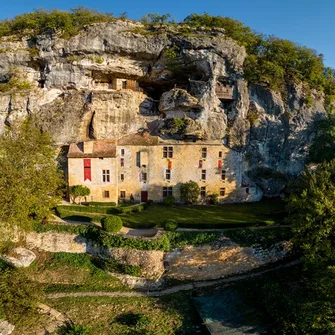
(29,181)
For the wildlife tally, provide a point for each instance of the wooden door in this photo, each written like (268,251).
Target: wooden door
(144,196)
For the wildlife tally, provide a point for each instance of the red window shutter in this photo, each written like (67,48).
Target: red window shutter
(87,169)
(220,164)
(170,165)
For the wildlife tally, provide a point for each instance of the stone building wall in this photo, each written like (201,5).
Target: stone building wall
(141,171)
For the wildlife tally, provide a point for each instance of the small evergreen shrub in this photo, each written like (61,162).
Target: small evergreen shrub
(169,200)
(111,224)
(73,329)
(213,199)
(134,320)
(170,225)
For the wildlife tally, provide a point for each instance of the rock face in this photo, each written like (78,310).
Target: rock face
(20,257)
(68,89)
(6,328)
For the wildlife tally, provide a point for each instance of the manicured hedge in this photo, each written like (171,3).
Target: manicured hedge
(111,224)
(101,204)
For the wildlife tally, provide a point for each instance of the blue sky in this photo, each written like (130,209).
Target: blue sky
(306,22)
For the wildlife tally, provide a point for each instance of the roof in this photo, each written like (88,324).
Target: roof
(138,139)
(101,148)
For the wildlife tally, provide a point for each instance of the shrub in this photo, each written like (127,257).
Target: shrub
(101,204)
(169,200)
(133,320)
(189,192)
(213,199)
(73,329)
(111,224)
(113,265)
(170,225)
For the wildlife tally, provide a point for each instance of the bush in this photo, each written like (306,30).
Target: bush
(113,265)
(170,225)
(189,192)
(133,320)
(111,224)
(101,204)
(73,329)
(213,199)
(169,200)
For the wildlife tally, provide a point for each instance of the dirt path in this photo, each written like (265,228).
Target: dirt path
(185,287)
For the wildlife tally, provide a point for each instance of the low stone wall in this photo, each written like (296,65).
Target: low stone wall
(150,261)
(58,242)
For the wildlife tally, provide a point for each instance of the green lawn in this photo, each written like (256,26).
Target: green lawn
(66,272)
(262,213)
(172,314)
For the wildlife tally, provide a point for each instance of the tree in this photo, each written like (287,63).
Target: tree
(312,212)
(156,18)
(189,192)
(30,184)
(323,147)
(79,191)
(18,297)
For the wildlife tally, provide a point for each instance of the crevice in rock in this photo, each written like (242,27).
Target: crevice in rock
(91,128)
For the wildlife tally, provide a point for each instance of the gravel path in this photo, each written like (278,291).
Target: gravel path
(185,287)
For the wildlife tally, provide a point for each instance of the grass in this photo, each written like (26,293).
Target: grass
(65,272)
(263,213)
(173,314)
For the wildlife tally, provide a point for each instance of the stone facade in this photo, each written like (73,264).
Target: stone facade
(142,167)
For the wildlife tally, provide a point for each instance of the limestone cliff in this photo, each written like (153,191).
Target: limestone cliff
(67,87)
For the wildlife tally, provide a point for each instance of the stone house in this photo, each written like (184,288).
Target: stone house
(117,84)
(143,167)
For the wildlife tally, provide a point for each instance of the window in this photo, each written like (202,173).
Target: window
(138,159)
(200,163)
(124,84)
(222,192)
(203,174)
(203,191)
(247,191)
(220,154)
(122,194)
(105,176)
(122,162)
(106,194)
(167,152)
(167,191)
(87,169)
(122,152)
(143,176)
(204,152)
(101,158)
(223,175)
(168,174)
(122,176)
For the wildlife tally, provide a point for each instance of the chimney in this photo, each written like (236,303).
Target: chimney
(88,147)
